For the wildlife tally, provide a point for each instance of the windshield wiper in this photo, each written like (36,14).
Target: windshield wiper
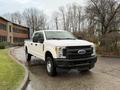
(61,38)
(69,38)
(55,38)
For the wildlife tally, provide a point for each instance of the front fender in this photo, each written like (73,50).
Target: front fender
(50,49)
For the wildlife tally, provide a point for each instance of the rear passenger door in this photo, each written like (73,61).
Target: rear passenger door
(34,44)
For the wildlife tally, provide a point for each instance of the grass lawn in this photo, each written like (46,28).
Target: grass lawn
(11,73)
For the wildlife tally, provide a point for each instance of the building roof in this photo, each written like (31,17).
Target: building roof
(13,23)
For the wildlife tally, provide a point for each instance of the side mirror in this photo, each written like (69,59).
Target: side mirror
(35,39)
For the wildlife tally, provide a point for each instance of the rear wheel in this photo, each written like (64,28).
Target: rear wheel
(50,67)
(28,57)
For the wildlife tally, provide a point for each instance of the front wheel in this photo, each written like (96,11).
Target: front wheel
(50,67)
(84,71)
(28,56)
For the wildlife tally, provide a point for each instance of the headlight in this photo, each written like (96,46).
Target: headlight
(94,50)
(59,52)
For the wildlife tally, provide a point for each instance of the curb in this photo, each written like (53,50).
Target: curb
(26,78)
(108,56)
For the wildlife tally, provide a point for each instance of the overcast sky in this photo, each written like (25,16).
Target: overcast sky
(48,6)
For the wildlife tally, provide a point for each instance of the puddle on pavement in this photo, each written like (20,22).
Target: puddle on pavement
(29,87)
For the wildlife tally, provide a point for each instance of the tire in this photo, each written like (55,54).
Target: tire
(28,56)
(85,71)
(50,67)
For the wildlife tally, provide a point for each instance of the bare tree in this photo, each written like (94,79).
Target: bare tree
(15,17)
(35,19)
(62,10)
(80,18)
(103,13)
(56,19)
(70,17)
(7,16)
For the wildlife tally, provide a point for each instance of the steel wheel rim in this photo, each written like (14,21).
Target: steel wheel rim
(49,66)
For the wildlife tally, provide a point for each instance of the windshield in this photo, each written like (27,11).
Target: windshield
(60,35)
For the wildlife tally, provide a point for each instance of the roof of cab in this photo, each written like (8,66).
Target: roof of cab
(48,30)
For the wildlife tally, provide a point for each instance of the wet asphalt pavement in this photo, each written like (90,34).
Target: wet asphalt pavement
(105,75)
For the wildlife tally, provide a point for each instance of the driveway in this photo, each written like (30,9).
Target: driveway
(105,76)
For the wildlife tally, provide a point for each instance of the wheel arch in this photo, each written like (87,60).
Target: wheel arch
(48,53)
(26,49)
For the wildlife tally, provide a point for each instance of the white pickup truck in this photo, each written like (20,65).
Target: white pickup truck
(61,49)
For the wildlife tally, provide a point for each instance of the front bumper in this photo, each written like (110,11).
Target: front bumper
(81,64)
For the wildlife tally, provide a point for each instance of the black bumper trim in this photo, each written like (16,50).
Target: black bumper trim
(76,63)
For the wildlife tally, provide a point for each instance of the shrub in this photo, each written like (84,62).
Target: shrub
(110,44)
(86,36)
(110,41)
(3,45)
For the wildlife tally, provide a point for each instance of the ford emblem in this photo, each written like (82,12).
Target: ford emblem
(81,52)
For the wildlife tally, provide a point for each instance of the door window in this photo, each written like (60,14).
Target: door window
(38,37)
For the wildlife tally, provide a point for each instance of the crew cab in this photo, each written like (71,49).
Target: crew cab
(61,49)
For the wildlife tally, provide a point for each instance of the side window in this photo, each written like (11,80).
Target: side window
(35,37)
(36,34)
(38,37)
(41,37)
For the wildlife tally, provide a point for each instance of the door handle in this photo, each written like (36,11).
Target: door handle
(35,44)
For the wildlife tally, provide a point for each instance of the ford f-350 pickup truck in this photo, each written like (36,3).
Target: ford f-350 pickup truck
(61,49)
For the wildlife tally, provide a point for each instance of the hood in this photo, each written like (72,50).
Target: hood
(68,42)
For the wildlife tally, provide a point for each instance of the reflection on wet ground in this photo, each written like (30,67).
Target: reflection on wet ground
(105,76)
